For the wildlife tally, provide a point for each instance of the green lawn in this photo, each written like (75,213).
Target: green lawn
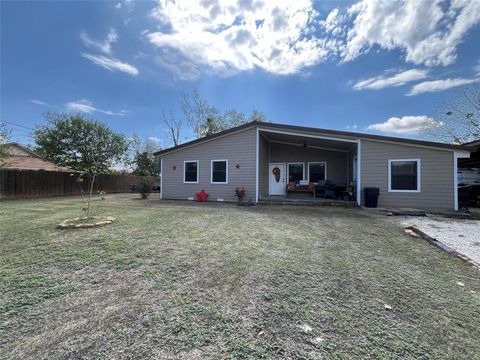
(194,281)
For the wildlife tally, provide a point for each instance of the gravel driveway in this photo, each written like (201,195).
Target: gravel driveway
(460,234)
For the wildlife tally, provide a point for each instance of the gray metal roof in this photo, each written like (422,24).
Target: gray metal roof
(319,131)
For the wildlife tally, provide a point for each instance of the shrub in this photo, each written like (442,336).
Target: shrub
(144,187)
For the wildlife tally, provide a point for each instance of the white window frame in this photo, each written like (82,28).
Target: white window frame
(419,176)
(295,163)
(316,162)
(198,171)
(211,171)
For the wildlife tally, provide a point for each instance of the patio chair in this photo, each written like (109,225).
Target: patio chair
(320,188)
(329,190)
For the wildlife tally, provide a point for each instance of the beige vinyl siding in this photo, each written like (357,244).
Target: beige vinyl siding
(263,155)
(337,161)
(436,175)
(237,148)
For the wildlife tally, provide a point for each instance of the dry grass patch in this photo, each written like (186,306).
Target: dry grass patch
(184,280)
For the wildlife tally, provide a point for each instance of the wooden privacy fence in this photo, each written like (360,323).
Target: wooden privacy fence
(38,183)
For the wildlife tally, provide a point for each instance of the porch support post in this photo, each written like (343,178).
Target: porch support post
(257,137)
(359,171)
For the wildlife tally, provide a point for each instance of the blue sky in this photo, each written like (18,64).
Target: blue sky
(380,67)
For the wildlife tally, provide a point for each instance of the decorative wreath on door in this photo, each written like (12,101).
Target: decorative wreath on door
(276,172)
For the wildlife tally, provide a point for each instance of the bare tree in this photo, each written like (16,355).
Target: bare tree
(197,111)
(173,127)
(458,118)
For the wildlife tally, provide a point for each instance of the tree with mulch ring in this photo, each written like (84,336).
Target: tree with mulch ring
(89,147)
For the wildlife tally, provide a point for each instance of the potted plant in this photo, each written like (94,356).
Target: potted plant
(240,192)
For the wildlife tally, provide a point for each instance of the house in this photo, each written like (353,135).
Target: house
(22,158)
(265,157)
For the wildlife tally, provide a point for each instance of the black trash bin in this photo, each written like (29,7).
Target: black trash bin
(371,197)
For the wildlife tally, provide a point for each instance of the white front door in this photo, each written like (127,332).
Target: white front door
(277,176)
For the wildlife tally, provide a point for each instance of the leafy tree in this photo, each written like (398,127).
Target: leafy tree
(458,118)
(258,116)
(4,140)
(83,144)
(145,161)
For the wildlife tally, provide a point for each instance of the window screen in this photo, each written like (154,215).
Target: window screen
(404,175)
(295,172)
(316,172)
(191,171)
(219,171)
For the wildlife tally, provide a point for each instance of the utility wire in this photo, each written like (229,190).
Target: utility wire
(22,126)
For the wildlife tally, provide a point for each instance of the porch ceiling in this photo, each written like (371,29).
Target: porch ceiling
(308,141)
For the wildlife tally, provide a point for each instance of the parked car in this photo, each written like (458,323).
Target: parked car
(469,186)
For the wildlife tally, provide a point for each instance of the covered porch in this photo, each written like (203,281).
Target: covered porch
(304,167)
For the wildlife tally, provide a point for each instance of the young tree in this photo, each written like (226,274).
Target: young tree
(458,118)
(173,127)
(83,144)
(4,140)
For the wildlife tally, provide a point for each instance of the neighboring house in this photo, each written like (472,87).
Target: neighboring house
(264,157)
(22,158)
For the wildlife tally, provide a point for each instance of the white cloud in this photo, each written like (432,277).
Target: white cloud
(111,64)
(39,102)
(86,106)
(229,36)
(286,37)
(104,46)
(439,85)
(403,125)
(428,32)
(380,82)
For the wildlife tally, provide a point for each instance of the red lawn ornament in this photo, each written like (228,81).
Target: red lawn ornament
(202,196)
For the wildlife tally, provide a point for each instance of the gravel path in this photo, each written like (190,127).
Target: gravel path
(461,235)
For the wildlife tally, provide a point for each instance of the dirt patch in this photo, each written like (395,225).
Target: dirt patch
(83,223)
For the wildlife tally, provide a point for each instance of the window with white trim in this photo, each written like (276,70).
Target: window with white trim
(404,175)
(219,172)
(317,171)
(295,171)
(190,171)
